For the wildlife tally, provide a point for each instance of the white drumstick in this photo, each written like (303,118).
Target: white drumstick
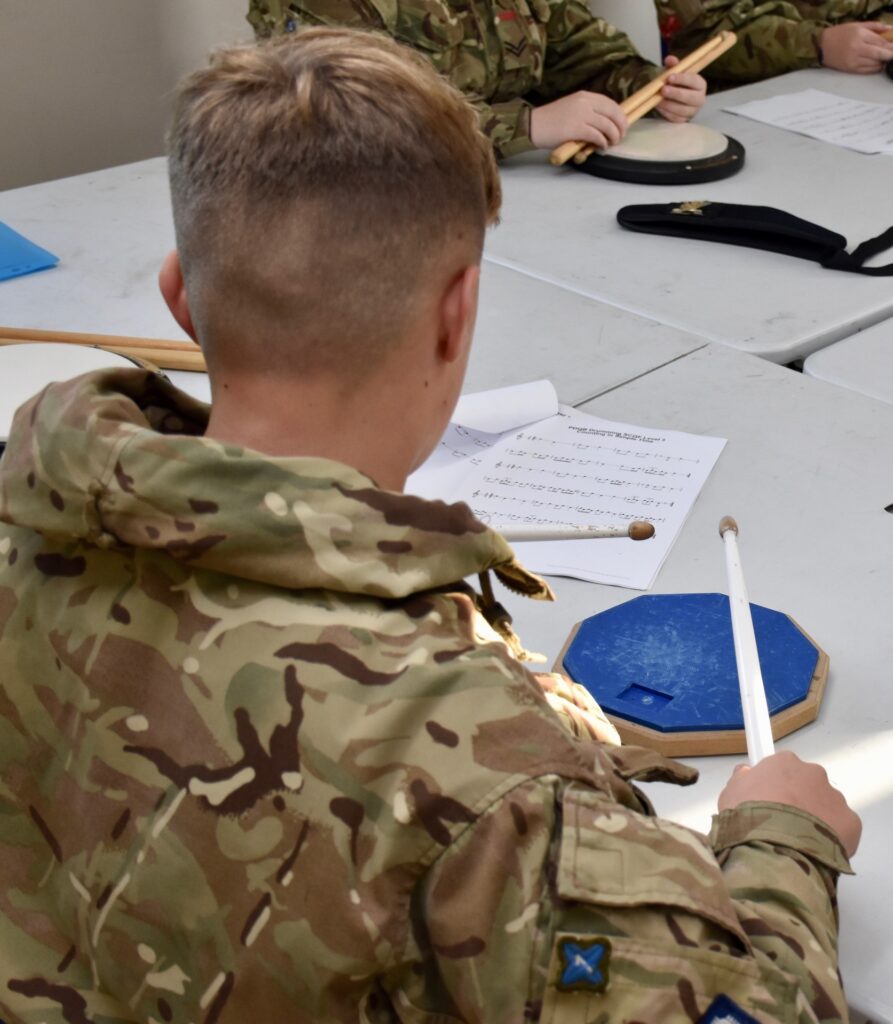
(635,531)
(757,724)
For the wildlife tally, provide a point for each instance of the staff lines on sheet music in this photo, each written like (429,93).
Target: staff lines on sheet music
(564,475)
(540,488)
(530,519)
(617,467)
(584,446)
(588,510)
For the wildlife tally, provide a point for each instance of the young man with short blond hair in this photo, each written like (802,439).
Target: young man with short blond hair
(263,757)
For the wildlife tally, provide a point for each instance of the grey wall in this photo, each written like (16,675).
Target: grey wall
(86,84)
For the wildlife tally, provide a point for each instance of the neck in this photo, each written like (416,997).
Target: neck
(319,418)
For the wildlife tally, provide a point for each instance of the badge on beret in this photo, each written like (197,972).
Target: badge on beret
(584,964)
(725,1011)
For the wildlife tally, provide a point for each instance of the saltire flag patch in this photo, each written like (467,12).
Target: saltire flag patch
(584,964)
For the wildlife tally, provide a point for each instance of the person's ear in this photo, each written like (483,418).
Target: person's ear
(173,291)
(458,310)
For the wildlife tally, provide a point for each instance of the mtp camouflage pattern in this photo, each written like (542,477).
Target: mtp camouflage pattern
(506,56)
(774,36)
(262,759)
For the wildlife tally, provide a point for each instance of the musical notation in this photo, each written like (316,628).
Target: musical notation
(854,124)
(573,469)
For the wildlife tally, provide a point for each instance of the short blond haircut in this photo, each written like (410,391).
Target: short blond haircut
(316,180)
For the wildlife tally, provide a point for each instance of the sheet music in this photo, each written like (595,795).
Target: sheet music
(852,124)
(575,470)
(479,420)
(458,453)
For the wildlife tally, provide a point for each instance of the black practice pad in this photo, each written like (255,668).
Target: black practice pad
(725,159)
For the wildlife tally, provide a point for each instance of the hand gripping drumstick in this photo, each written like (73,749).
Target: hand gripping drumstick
(635,531)
(648,97)
(757,725)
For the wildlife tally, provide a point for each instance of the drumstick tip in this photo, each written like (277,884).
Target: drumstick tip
(727,523)
(640,530)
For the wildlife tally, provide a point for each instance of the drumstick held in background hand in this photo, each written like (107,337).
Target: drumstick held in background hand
(648,97)
(757,723)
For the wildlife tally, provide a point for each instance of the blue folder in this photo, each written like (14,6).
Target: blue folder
(19,256)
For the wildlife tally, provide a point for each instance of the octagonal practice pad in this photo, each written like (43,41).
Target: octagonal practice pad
(662,666)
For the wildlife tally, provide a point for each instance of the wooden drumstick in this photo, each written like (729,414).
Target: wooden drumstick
(167,355)
(648,97)
(635,531)
(888,35)
(757,723)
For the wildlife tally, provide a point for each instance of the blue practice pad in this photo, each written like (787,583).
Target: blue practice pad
(667,661)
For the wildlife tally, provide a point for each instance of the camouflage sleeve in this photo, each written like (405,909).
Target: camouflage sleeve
(506,124)
(562,906)
(790,914)
(773,38)
(585,52)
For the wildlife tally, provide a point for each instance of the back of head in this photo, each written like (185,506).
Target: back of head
(318,182)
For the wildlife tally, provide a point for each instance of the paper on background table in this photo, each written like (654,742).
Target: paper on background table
(478,422)
(574,469)
(18,256)
(853,124)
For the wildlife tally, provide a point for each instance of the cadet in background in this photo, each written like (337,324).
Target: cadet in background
(539,72)
(781,35)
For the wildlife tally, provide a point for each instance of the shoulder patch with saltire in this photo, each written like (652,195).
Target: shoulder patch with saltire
(584,964)
(726,1011)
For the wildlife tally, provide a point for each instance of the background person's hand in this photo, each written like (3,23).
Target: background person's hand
(856,47)
(580,117)
(683,95)
(784,779)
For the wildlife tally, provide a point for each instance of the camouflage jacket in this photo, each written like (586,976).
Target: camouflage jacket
(774,36)
(504,55)
(263,760)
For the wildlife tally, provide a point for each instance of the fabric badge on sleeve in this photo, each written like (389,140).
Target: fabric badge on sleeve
(725,1011)
(584,964)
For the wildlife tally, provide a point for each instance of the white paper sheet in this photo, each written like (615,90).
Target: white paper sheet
(853,124)
(479,420)
(574,470)
(494,412)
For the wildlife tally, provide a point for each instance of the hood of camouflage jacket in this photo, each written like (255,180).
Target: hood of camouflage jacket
(117,459)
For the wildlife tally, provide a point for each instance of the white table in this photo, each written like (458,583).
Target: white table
(112,228)
(802,459)
(862,363)
(560,226)
(800,474)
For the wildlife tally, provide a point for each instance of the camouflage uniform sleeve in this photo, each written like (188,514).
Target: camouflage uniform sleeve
(781,866)
(585,52)
(506,124)
(562,906)
(773,38)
